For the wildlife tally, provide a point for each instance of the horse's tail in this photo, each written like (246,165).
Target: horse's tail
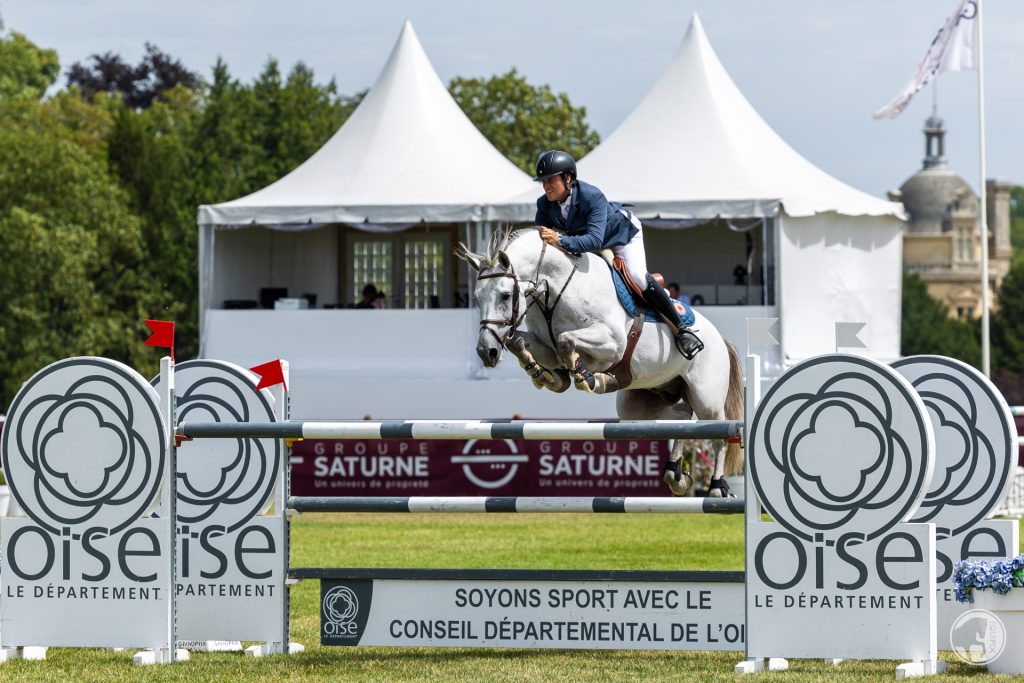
(734,410)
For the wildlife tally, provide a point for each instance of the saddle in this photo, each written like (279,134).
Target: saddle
(632,301)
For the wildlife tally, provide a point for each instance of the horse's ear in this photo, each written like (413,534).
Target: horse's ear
(503,260)
(474,261)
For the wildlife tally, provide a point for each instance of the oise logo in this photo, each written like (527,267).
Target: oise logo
(975,441)
(223,481)
(84,444)
(341,605)
(839,446)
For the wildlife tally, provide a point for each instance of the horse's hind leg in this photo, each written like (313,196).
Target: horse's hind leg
(555,380)
(645,404)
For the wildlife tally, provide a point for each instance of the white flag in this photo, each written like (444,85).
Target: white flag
(955,48)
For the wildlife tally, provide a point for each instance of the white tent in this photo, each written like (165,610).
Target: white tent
(695,149)
(407,155)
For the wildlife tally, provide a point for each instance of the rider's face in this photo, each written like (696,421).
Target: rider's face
(555,189)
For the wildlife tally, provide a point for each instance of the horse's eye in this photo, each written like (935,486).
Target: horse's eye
(506,296)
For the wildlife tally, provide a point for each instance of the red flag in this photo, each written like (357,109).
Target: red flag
(163,334)
(270,374)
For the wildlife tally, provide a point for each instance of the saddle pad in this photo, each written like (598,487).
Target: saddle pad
(629,303)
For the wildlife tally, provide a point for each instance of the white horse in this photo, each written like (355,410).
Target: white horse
(558,313)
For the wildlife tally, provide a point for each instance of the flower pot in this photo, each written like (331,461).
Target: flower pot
(1010,610)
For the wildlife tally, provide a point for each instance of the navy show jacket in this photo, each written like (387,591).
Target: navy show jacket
(593,223)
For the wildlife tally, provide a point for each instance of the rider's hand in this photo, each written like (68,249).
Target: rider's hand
(549,236)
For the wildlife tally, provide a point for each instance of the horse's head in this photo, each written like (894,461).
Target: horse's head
(500,298)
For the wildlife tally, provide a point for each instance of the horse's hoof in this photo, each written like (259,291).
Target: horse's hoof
(678,481)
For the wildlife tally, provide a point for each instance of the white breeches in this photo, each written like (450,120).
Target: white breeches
(634,254)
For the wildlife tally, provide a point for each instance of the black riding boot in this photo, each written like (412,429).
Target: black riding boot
(686,341)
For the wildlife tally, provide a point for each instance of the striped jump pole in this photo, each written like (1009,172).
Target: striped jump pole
(726,506)
(465,430)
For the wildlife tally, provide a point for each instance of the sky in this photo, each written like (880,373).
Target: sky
(815,70)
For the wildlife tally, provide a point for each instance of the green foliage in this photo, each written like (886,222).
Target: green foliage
(26,71)
(1008,321)
(202,147)
(1017,223)
(522,120)
(71,249)
(928,329)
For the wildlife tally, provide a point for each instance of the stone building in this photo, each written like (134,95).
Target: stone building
(942,242)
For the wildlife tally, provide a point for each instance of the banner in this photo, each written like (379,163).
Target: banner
(406,467)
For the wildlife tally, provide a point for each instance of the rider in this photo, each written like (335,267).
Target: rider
(591,223)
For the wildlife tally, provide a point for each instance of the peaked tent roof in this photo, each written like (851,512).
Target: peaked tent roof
(406,154)
(706,152)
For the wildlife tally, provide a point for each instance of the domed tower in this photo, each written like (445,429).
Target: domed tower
(941,242)
(935,193)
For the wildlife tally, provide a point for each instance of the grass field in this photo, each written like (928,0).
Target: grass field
(549,541)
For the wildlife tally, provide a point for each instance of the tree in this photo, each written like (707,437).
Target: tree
(26,70)
(140,85)
(1017,222)
(190,148)
(928,329)
(71,249)
(522,120)
(1008,323)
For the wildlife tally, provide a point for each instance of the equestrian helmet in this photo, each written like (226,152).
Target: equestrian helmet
(555,162)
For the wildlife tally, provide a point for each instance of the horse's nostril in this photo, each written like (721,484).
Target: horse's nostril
(493,353)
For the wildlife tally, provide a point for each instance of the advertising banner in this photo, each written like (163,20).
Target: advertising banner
(571,614)
(507,467)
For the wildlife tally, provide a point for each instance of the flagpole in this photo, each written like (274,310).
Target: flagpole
(983,191)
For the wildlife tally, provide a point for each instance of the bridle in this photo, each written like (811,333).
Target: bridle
(515,319)
(547,310)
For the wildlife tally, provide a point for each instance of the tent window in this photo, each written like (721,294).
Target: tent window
(372,264)
(424,273)
(411,269)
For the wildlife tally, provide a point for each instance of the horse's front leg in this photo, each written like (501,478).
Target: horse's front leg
(678,479)
(542,377)
(582,349)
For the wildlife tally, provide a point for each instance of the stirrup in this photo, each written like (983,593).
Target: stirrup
(688,343)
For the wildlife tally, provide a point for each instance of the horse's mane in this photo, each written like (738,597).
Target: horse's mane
(499,241)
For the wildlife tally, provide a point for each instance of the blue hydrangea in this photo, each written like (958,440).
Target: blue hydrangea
(1000,576)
